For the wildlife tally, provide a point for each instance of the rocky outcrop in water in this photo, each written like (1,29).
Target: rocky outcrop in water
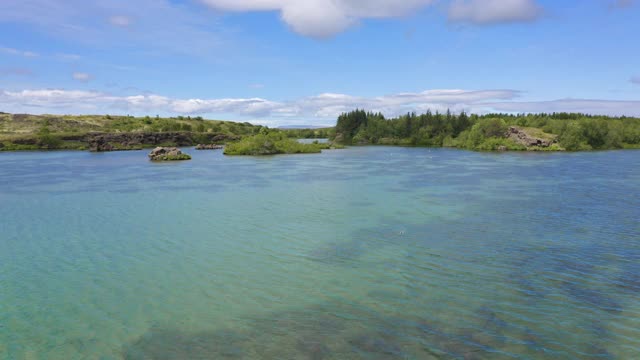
(138,140)
(209,147)
(167,154)
(522,137)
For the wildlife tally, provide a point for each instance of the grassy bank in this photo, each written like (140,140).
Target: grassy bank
(47,132)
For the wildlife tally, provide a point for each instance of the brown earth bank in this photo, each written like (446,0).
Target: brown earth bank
(128,141)
(530,137)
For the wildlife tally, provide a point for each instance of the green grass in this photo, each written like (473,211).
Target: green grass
(272,143)
(23,124)
(493,144)
(33,132)
(537,133)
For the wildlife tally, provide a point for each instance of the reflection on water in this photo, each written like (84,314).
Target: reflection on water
(365,253)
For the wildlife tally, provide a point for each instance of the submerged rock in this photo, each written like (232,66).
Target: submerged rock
(167,154)
(209,147)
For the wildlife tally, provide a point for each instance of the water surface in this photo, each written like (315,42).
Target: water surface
(363,253)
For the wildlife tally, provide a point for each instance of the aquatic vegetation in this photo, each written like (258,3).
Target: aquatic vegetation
(316,333)
(483,256)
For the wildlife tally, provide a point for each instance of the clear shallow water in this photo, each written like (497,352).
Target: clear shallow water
(372,253)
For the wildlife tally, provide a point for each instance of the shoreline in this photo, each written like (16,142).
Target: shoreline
(147,147)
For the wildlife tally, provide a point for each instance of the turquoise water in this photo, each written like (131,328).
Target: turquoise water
(363,253)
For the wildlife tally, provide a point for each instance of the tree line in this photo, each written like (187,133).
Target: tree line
(573,131)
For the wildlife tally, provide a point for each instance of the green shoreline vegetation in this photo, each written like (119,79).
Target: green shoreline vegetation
(269,142)
(491,132)
(75,132)
(555,132)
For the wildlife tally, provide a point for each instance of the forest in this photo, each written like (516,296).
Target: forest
(564,131)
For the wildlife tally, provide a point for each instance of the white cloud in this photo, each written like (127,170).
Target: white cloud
(51,99)
(81,76)
(321,109)
(120,21)
(322,18)
(482,12)
(589,106)
(167,25)
(12,51)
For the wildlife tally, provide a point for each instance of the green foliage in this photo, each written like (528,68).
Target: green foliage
(494,143)
(572,137)
(573,132)
(322,133)
(47,140)
(269,142)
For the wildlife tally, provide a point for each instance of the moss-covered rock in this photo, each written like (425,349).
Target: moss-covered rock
(168,154)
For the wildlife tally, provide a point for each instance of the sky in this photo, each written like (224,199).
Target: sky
(303,62)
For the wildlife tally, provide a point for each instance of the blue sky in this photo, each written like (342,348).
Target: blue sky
(283,62)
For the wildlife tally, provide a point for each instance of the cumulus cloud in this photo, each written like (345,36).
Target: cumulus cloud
(483,12)
(92,22)
(322,18)
(51,99)
(81,76)
(323,107)
(589,106)
(320,109)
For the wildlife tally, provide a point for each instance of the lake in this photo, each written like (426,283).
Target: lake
(362,253)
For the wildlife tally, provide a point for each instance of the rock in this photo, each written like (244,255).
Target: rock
(522,137)
(138,140)
(101,145)
(208,147)
(167,154)
(502,148)
(25,141)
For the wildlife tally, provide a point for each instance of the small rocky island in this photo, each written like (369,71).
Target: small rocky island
(168,154)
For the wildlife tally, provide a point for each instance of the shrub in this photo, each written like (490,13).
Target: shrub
(493,144)
(271,143)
